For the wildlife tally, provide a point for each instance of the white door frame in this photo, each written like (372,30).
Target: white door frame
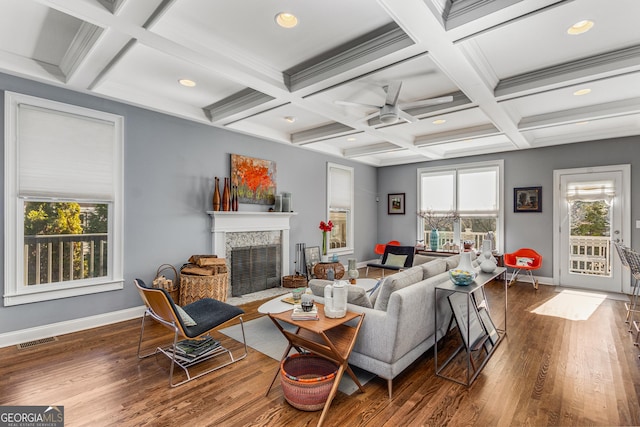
(625,207)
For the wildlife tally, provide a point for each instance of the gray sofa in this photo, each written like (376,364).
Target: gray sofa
(399,324)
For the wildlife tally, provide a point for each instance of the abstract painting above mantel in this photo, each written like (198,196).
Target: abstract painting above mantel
(255,178)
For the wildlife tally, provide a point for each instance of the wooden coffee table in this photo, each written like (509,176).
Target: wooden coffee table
(330,338)
(276,305)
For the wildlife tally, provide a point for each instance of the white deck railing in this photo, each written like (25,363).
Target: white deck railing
(64,257)
(588,254)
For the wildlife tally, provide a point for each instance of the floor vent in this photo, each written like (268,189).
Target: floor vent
(34,343)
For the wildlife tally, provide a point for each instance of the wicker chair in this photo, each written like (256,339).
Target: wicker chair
(193,322)
(631,260)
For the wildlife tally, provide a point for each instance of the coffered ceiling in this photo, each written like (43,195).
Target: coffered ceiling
(511,69)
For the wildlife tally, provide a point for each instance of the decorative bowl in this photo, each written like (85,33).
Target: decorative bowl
(462,277)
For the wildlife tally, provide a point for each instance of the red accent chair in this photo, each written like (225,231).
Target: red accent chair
(379,248)
(524,259)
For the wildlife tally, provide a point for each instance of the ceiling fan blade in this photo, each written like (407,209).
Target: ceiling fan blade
(393,91)
(370,116)
(355,104)
(408,117)
(427,102)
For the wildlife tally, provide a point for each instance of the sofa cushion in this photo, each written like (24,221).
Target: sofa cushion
(355,294)
(394,260)
(422,259)
(454,260)
(433,268)
(394,282)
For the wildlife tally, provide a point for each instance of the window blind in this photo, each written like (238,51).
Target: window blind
(340,196)
(64,155)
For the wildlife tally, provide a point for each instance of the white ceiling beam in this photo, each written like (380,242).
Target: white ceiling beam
(418,21)
(592,112)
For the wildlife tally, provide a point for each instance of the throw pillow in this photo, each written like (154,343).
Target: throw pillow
(186,319)
(375,291)
(394,260)
(395,282)
(433,268)
(355,294)
(524,261)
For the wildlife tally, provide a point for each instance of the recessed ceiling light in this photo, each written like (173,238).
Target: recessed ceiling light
(290,119)
(286,20)
(187,82)
(439,121)
(580,27)
(582,92)
(351,139)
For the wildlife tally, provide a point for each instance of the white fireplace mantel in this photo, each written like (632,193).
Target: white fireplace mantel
(223,222)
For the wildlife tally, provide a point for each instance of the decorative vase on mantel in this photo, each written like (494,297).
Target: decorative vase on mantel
(434,239)
(216,195)
(234,205)
(226,196)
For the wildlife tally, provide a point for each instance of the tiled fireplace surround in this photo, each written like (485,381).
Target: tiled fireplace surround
(241,229)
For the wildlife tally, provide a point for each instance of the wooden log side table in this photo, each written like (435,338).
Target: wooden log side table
(330,338)
(321,268)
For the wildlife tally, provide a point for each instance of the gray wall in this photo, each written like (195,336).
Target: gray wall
(170,164)
(169,168)
(525,168)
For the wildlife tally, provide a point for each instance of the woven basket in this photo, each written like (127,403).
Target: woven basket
(307,380)
(297,281)
(174,288)
(193,288)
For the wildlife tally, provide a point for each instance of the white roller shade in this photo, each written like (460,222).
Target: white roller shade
(340,189)
(591,192)
(438,192)
(477,190)
(63,155)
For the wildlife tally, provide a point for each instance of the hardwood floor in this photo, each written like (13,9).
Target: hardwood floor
(547,371)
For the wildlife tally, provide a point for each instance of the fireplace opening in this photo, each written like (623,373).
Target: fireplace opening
(254,269)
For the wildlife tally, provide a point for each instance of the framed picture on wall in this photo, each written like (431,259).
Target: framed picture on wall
(395,203)
(527,199)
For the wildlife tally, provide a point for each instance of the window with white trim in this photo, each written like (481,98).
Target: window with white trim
(473,192)
(63,200)
(340,202)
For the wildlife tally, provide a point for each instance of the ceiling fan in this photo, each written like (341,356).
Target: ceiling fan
(391,112)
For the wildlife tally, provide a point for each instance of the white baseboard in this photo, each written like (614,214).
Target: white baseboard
(69,326)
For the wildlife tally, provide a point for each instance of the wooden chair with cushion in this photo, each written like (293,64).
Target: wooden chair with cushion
(193,322)
(395,258)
